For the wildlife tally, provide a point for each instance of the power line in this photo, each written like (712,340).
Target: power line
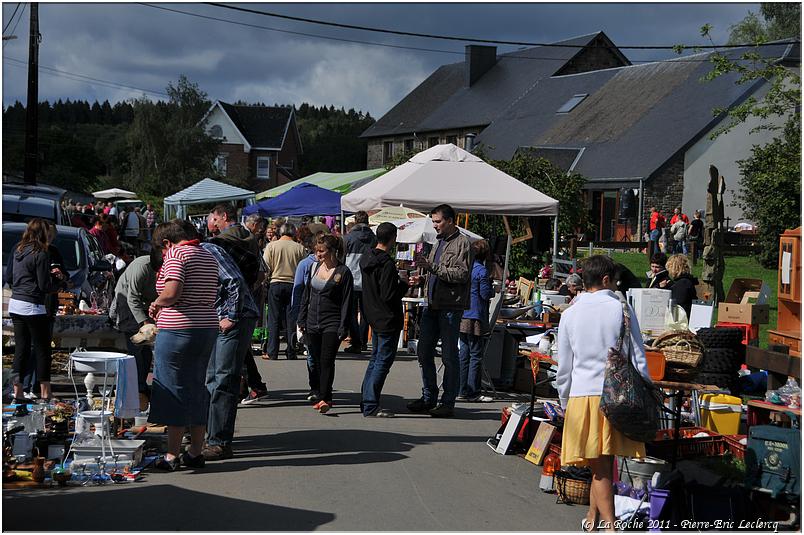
(14,29)
(257,26)
(12,17)
(470,39)
(372,43)
(84,78)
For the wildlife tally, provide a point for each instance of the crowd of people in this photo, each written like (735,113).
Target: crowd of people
(678,236)
(203,294)
(123,232)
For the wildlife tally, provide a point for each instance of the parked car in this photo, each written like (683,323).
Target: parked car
(80,251)
(22,202)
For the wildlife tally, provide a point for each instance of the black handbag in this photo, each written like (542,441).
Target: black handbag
(630,402)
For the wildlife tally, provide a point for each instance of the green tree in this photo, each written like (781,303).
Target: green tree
(169,148)
(775,167)
(778,21)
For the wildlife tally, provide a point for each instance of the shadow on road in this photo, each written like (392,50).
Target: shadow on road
(322,447)
(159,507)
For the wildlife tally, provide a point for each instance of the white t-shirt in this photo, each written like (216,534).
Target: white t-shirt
(24,308)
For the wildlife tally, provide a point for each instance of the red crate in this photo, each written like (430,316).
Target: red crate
(734,447)
(688,446)
(750,332)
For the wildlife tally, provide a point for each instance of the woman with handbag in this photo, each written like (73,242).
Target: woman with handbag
(589,330)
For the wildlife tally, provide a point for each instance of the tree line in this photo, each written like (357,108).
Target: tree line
(158,147)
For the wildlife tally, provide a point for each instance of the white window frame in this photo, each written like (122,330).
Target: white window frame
(267,174)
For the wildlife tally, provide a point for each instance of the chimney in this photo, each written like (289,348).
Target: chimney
(469,142)
(479,59)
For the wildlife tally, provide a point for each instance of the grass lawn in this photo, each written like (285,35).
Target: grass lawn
(737,267)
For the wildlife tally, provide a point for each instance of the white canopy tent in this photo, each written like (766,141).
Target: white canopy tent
(422,230)
(114,193)
(449,174)
(207,191)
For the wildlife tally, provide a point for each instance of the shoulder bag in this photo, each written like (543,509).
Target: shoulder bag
(630,402)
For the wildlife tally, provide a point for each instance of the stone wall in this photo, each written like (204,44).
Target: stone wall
(664,189)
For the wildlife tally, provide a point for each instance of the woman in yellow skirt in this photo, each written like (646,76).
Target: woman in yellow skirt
(588,329)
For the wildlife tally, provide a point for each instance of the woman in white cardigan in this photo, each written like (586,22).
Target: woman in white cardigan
(588,329)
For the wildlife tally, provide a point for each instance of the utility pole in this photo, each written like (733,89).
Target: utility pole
(32,109)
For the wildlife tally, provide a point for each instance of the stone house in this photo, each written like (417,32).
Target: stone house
(639,134)
(258,144)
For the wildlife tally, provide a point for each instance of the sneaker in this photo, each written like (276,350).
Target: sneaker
(322,406)
(313,396)
(167,466)
(217,452)
(29,395)
(379,413)
(419,405)
(352,349)
(192,462)
(442,411)
(481,399)
(254,396)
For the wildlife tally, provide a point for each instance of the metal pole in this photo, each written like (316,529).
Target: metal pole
(32,109)
(639,214)
(555,237)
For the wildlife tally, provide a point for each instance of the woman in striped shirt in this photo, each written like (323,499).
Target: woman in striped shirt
(188,327)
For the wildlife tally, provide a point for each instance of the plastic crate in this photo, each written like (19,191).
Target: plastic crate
(750,332)
(688,446)
(734,447)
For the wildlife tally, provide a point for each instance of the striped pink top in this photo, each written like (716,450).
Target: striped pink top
(198,271)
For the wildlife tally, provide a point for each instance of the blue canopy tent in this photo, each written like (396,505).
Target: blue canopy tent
(304,199)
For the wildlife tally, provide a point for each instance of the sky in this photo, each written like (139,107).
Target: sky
(146,48)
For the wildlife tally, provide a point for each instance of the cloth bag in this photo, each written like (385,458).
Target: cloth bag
(629,401)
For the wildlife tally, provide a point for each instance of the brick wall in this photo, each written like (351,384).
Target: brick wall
(237,161)
(664,189)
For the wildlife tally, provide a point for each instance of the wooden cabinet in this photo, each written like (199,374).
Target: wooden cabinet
(788,327)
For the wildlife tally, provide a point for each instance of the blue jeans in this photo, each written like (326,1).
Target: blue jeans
(471,357)
(223,380)
(383,353)
(443,324)
(143,356)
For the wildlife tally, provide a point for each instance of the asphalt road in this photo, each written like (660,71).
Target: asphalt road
(295,469)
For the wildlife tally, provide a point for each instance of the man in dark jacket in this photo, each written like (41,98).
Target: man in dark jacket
(383,291)
(448,269)
(359,242)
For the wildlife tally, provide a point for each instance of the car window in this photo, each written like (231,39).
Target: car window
(25,207)
(68,246)
(94,248)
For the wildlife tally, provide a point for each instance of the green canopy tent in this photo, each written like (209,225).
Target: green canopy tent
(340,182)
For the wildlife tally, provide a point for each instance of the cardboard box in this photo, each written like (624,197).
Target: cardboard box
(745,303)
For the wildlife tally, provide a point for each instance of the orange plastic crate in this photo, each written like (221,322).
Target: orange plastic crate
(734,447)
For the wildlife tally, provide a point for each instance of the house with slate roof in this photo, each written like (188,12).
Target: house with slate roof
(260,144)
(638,133)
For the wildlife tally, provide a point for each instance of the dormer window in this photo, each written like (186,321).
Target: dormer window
(216,131)
(572,103)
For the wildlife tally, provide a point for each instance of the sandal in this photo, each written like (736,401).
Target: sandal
(167,465)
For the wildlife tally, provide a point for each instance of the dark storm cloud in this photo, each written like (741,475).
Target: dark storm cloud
(145,47)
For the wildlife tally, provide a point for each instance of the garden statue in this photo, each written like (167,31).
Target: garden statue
(714,264)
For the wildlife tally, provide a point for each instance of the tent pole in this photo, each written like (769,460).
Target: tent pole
(507,257)
(555,236)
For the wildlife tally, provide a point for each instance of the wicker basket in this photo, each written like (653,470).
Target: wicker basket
(683,353)
(571,490)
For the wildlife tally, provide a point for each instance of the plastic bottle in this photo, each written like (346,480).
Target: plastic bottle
(537,302)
